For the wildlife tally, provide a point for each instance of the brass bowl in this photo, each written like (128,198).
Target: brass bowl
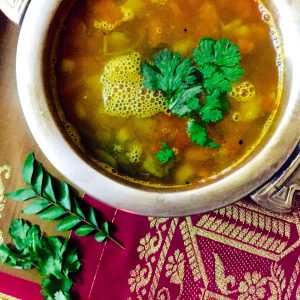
(33,59)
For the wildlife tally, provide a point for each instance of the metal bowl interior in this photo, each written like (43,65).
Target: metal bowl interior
(35,93)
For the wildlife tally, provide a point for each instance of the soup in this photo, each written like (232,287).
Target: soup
(122,125)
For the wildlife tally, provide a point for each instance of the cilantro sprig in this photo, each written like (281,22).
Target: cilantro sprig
(165,154)
(196,88)
(51,256)
(53,201)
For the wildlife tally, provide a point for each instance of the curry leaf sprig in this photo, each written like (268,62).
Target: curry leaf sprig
(51,204)
(53,258)
(196,88)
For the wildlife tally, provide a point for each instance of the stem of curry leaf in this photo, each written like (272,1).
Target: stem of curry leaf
(83,220)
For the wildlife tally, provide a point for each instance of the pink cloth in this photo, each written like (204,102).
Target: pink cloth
(238,252)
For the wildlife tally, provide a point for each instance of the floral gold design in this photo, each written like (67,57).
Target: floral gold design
(163,294)
(175,267)
(139,278)
(240,226)
(253,287)
(148,247)
(222,281)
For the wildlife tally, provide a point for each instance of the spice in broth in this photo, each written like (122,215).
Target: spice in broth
(128,128)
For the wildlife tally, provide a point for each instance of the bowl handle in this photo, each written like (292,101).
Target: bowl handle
(279,193)
(14,9)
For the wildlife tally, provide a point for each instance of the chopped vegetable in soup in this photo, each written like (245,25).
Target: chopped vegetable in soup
(168,92)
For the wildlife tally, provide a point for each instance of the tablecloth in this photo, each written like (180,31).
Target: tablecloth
(238,252)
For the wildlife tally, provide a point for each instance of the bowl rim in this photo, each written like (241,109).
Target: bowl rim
(217,194)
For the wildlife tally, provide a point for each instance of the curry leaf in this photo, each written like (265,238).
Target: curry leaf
(28,167)
(36,206)
(105,228)
(84,230)
(52,213)
(37,178)
(68,223)
(45,204)
(100,236)
(78,209)
(48,188)
(22,195)
(92,217)
(65,195)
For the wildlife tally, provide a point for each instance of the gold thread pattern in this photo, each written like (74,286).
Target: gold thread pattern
(293,280)
(6,297)
(239,226)
(192,251)
(5,172)
(175,270)
(221,280)
(162,258)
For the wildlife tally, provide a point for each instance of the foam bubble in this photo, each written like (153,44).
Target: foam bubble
(123,92)
(245,91)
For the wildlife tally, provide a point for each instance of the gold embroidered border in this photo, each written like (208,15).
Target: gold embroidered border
(6,297)
(193,252)
(162,258)
(230,242)
(292,283)
(5,171)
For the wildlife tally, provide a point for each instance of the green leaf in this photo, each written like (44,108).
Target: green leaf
(210,113)
(105,228)
(71,262)
(21,195)
(52,213)
(204,54)
(23,234)
(168,72)
(84,230)
(78,209)
(55,245)
(37,178)
(198,133)
(60,296)
(179,103)
(51,266)
(48,188)
(165,154)
(68,223)
(36,206)
(92,217)
(28,168)
(65,196)
(5,253)
(100,236)
(51,285)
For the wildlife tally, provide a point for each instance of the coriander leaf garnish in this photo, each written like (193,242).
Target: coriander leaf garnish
(219,62)
(168,72)
(52,257)
(198,135)
(165,154)
(185,101)
(196,88)
(52,204)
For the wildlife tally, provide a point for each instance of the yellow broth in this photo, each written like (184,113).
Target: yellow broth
(127,146)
